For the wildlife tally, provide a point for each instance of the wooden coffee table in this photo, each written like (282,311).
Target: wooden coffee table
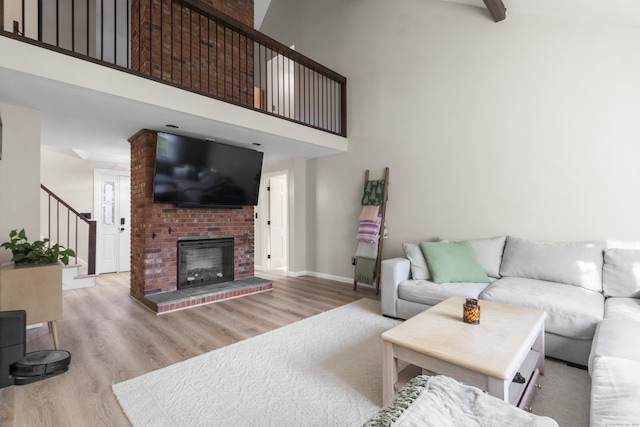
(508,340)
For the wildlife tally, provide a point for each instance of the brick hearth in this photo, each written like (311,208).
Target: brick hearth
(156,228)
(180,299)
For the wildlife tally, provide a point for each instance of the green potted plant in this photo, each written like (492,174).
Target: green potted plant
(36,252)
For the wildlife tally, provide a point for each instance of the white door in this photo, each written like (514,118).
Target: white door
(113,218)
(277,222)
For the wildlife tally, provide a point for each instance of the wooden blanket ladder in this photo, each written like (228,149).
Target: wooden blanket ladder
(383,212)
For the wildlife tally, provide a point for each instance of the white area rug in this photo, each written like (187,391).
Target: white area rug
(325,370)
(322,371)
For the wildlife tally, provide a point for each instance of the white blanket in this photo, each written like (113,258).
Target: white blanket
(441,401)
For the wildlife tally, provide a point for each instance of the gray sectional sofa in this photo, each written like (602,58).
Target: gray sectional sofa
(590,291)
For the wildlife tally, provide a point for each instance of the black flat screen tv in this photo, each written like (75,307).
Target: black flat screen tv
(195,173)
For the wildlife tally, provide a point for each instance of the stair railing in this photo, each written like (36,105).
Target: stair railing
(71,229)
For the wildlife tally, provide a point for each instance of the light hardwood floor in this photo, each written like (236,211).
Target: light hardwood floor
(113,338)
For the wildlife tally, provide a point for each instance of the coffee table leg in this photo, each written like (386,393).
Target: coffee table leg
(499,388)
(389,372)
(538,346)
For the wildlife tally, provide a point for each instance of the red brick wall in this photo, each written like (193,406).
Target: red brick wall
(175,44)
(242,10)
(153,260)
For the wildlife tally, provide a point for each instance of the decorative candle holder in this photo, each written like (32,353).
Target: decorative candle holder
(471,311)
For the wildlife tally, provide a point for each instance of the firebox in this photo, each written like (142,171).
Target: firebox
(204,261)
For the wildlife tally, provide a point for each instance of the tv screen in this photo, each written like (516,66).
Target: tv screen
(196,173)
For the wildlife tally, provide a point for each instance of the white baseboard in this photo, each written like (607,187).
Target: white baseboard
(330,277)
(297,273)
(323,276)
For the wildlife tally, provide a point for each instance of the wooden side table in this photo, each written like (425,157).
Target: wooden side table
(35,289)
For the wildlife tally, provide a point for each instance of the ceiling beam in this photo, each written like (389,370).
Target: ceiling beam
(497,9)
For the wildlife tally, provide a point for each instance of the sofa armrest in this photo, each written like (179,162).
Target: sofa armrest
(393,272)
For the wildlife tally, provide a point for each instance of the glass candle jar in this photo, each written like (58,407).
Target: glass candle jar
(471,311)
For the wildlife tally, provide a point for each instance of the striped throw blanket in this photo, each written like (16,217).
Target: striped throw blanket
(369,230)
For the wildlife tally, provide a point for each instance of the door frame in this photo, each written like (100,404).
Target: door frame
(97,209)
(264,216)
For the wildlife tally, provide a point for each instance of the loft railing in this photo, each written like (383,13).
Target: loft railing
(187,44)
(69,228)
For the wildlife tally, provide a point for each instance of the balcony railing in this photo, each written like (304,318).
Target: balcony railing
(187,44)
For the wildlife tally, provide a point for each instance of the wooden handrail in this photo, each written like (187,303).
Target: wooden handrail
(52,194)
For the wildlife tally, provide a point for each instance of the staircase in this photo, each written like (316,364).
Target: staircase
(73,277)
(70,229)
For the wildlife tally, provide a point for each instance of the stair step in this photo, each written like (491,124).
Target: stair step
(72,280)
(84,276)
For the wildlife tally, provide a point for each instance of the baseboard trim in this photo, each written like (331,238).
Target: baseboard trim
(331,277)
(326,276)
(335,278)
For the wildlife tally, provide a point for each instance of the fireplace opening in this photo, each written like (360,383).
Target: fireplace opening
(204,261)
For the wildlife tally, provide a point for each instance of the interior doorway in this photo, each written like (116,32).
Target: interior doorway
(112,207)
(275,215)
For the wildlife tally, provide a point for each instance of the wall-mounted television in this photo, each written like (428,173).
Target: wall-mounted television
(190,172)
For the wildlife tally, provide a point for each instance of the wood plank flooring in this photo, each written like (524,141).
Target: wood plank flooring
(113,338)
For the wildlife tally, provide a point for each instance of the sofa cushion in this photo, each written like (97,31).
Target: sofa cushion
(488,253)
(572,311)
(622,309)
(615,392)
(430,293)
(621,273)
(578,264)
(419,269)
(621,244)
(453,262)
(615,338)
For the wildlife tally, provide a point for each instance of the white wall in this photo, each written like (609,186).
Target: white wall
(19,173)
(527,127)
(71,177)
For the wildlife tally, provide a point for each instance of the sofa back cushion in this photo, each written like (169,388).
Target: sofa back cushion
(621,273)
(578,264)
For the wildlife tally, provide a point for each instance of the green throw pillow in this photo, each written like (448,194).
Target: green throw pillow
(453,262)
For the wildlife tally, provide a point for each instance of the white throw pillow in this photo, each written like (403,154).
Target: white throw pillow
(419,268)
(621,273)
(489,254)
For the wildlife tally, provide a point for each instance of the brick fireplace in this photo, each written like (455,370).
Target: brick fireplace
(156,229)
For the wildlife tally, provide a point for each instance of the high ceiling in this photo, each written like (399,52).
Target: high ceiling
(619,12)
